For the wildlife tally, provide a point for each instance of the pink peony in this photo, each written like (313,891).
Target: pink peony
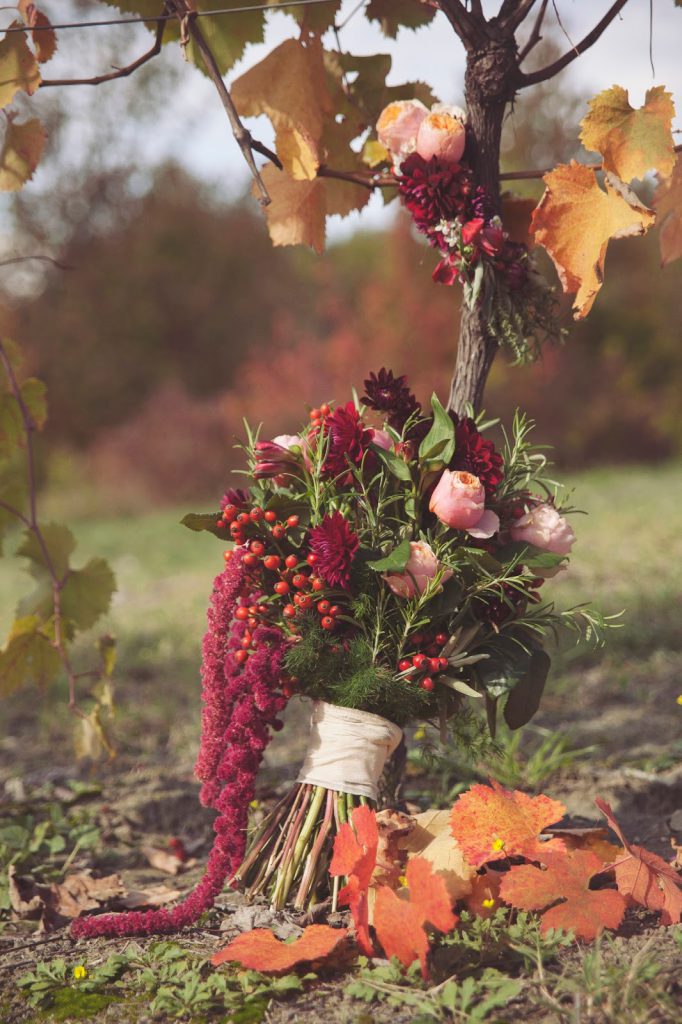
(422,566)
(442,134)
(545,528)
(398,125)
(459,501)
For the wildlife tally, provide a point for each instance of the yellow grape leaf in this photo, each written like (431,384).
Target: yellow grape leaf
(631,141)
(21,151)
(668,206)
(575,220)
(28,656)
(18,66)
(297,213)
(45,38)
(289,87)
(374,153)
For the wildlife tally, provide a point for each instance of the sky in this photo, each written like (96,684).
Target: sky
(191,126)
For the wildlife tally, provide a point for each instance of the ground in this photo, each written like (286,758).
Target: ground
(609,726)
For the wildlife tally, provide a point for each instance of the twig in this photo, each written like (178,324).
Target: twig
(468,27)
(540,172)
(513,12)
(534,37)
(120,72)
(25,259)
(245,141)
(36,942)
(558,65)
(356,178)
(561,24)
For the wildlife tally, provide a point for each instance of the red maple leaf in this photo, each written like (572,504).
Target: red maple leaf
(490,823)
(584,911)
(643,877)
(399,924)
(260,950)
(355,853)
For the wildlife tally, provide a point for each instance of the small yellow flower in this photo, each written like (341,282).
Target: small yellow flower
(254,805)
(679,699)
(488,904)
(420,733)
(498,844)
(79,972)
(403,880)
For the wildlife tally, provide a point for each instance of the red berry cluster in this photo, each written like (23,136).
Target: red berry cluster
(317,418)
(424,664)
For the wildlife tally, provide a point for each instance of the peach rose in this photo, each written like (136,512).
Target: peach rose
(459,501)
(422,566)
(442,134)
(398,125)
(545,528)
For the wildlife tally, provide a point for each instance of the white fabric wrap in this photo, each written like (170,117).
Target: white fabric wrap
(347,749)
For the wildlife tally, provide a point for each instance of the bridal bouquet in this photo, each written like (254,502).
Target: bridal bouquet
(386,562)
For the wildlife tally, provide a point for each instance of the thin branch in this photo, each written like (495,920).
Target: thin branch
(369,181)
(558,65)
(534,37)
(561,24)
(513,12)
(540,173)
(15,512)
(245,141)
(467,27)
(24,259)
(120,72)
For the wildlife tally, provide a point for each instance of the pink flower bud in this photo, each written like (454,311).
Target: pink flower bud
(442,134)
(382,439)
(459,501)
(422,566)
(545,528)
(398,125)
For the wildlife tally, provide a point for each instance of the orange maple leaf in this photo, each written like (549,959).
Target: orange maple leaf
(484,897)
(490,823)
(644,877)
(355,852)
(260,950)
(584,911)
(399,924)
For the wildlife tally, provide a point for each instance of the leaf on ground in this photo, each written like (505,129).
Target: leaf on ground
(576,219)
(44,38)
(432,840)
(28,656)
(584,911)
(355,849)
(152,896)
(490,823)
(667,203)
(594,839)
(53,905)
(394,828)
(484,898)
(631,141)
(393,15)
(399,923)
(162,860)
(260,950)
(21,152)
(644,877)
(18,66)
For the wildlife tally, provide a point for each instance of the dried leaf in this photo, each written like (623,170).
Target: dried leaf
(21,151)
(644,877)
(394,828)
(584,911)
(52,905)
(152,896)
(298,211)
(162,860)
(667,203)
(260,950)
(45,39)
(432,840)
(18,66)
(490,823)
(576,219)
(594,839)
(516,217)
(631,141)
(29,656)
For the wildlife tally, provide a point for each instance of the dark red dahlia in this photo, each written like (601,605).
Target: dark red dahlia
(475,455)
(433,191)
(335,545)
(390,395)
(348,440)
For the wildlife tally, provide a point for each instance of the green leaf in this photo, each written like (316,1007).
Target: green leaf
(14,356)
(504,668)
(28,657)
(395,561)
(33,395)
(529,555)
(60,544)
(524,700)
(395,14)
(393,463)
(206,521)
(11,424)
(87,593)
(438,447)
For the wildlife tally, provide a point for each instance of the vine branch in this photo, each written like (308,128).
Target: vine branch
(534,37)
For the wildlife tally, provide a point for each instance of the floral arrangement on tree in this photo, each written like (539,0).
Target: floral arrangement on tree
(387,562)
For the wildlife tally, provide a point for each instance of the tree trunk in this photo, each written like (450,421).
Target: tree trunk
(489,86)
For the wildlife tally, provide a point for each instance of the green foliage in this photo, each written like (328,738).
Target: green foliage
(438,446)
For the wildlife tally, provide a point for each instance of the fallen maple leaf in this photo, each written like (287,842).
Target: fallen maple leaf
(631,141)
(399,924)
(576,219)
(260,950)
(594,839)
(644,877)
(490,823)
(584,911)
(667,203)
(355,851)
(484,897)
(162,860)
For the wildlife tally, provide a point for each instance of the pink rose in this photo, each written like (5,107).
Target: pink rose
(382,439)
(459,501)
(398,125)
(422,566)
(442,134)
(545,528)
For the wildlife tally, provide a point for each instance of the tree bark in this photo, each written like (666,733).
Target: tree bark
(490,77)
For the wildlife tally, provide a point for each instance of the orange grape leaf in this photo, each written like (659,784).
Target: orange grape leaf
(584,911)
(260,950)
(18,66)
(516,215)
(298,211)
(355,851)
(668,206)
(429,894)
(490,823)
(45,38)
(21,151)
(576,219)
(631,141)
(644,877)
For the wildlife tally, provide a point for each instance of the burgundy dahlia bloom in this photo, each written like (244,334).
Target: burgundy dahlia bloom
(473,454)
(335,545)
(433,191)
(348,440)
(390,395)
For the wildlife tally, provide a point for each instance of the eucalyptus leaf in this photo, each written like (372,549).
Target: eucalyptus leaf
(524,700)
(439,444)
(460,686)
